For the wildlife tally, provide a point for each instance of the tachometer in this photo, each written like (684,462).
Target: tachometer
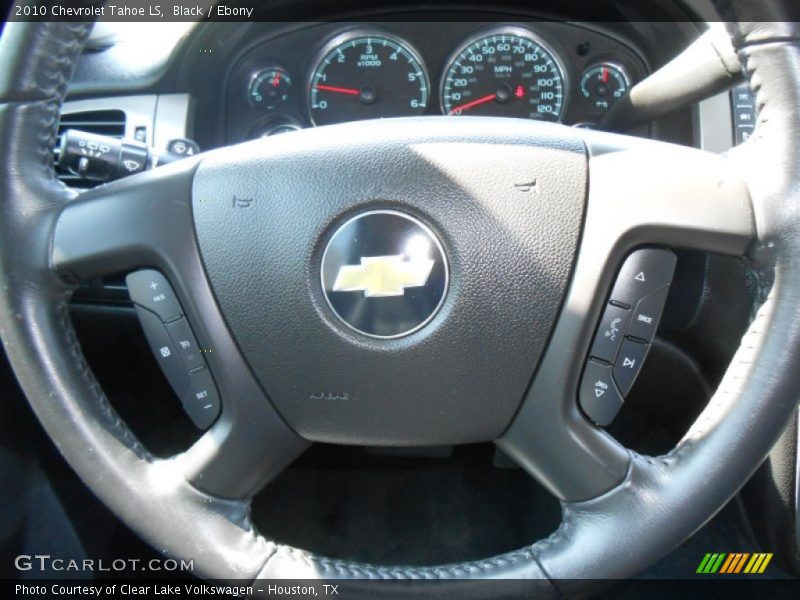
(367,76)
(509,72)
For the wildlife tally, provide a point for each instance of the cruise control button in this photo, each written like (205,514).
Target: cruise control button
(201,402)
(598,395)
(609,334)
(629,363)
(164,351)
(647,314)
(151,290)
(644,271)
(185,344)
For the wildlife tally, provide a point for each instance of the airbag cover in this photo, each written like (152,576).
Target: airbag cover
(504,197)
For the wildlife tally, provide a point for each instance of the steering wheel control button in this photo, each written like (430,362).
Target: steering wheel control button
(151,290)
(171,339)
(384,274)
(644,272)
(628,364)
(625,331)
(647,314)
(743,106)
(201,402)
(599,397)
(164,350)
(609,334)
(185,344)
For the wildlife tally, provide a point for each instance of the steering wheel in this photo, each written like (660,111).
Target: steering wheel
(533,221)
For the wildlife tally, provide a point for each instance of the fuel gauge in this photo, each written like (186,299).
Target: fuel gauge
(269,88)
(604,83)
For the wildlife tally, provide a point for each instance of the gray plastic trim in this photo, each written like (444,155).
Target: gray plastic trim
(166,116)
(172,119)
(640,193)
(715,123)
(140,111)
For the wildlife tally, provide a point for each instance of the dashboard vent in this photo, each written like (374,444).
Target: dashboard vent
(102,122)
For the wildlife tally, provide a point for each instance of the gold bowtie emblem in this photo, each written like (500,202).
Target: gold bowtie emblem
(383,276)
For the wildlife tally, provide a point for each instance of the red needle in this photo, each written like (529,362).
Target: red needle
(604,75)
(276,81)
(477,102)
(338,90)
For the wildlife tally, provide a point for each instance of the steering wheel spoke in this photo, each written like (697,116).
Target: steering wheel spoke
(141,220)
(645,192)
(146,221)
(641,193)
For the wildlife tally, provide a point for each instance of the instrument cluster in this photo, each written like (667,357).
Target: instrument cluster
(332,73)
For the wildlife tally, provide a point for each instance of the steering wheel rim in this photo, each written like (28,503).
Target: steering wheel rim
(634,511)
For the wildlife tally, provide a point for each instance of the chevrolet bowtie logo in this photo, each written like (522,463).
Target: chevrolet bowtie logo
(383,276)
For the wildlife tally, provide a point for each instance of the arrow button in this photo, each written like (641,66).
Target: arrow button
(629,363)
(644,272)
(598,395)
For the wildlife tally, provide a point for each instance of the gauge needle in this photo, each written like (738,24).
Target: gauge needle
(604,75)
(338,90)
(477,102)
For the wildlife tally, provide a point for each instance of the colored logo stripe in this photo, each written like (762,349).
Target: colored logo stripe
(711,563)
(758,563)
(734,563)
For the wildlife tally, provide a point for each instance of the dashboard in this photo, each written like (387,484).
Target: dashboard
(327,73)
(207,88)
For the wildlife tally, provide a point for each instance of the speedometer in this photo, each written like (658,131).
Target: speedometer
(506,73)
(367,76)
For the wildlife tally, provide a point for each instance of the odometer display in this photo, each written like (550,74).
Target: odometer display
(367,77)
(508,73)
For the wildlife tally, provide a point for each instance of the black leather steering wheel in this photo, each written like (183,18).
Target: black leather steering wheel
(621,511)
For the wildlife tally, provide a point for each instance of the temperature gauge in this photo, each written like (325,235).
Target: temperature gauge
(269,88)
(603,84)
